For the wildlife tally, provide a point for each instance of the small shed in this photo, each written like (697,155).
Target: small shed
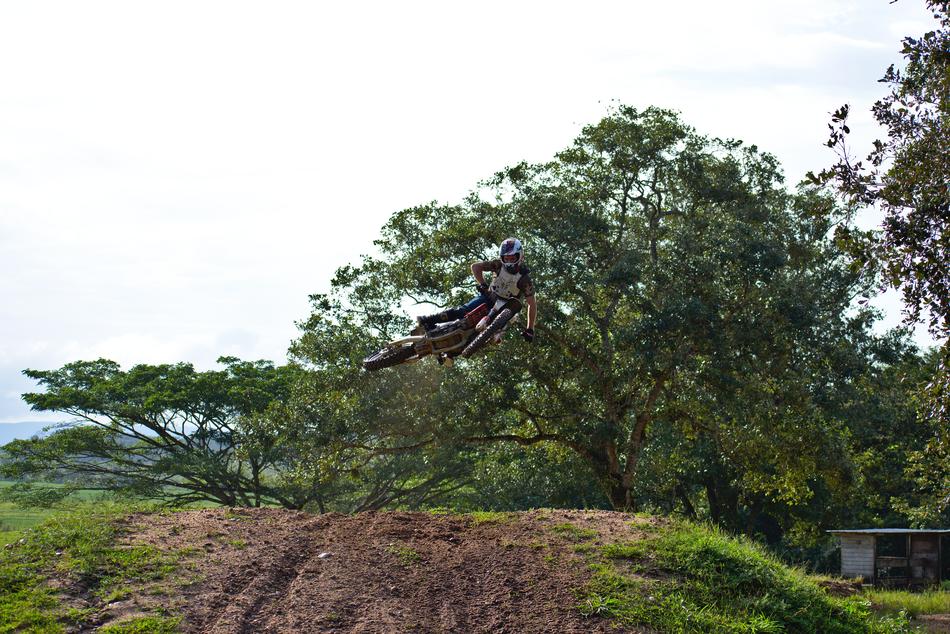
(895,556)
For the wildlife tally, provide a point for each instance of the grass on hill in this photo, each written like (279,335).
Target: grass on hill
(14,519)
(78,546)
(690,578)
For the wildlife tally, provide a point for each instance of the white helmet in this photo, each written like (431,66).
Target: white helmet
(511,254)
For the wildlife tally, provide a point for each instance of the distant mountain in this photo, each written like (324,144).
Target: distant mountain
(13,431)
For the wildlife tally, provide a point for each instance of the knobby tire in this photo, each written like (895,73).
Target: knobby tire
(388,357)
(485,336)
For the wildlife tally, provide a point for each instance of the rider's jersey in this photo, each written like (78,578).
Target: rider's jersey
(509,285)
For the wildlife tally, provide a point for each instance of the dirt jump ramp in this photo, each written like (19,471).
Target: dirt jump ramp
(271,570)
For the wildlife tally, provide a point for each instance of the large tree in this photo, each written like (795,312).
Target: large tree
(905,177)
(165,431)
(251,434)
(678,282)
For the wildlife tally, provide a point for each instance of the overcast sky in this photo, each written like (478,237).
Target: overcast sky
(177,177)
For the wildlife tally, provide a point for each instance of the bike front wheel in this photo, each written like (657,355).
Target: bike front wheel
(485,336)
(388,357)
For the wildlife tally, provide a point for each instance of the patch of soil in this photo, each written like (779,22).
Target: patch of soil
(841,587)
(937,623)
(273,570)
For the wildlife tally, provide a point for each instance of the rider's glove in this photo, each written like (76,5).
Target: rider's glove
(528,334)
(482,289)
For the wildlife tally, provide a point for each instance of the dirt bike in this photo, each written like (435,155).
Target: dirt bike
(462,337)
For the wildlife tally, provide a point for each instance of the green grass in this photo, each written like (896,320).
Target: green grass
(77,546)
(914,603)
(489,517)
(15,519)
(8,536)
(407,556)
(143,625)
(689,578)
(574,533)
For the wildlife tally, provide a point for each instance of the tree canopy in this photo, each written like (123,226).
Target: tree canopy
(165,431)
(679,284)
(906,177)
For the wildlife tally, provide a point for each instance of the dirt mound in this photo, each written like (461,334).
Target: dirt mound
(271,570)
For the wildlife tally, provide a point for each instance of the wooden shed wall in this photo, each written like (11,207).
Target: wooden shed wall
(857,556)
(925,557)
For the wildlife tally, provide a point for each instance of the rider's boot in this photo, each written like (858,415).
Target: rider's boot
(428,322)
(446,360)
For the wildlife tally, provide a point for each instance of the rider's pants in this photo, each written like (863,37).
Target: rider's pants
(460,311)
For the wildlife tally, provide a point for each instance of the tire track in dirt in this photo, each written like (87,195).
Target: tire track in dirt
(466,578)
(248,607)
(260,571)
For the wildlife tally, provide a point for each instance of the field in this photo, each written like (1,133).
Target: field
(14,520)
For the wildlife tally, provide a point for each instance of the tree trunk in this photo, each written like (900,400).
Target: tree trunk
(683,495)
(621,497)
(256,475)
(713,498)
(621,479)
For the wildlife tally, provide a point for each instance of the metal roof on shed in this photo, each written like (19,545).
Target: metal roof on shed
(889,531)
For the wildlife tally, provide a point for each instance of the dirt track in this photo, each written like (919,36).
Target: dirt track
(272,570)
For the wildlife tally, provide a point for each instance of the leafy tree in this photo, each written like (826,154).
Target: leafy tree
(679,283)
(864,475)
(249,435)
(380,439)
(165,431)
(907,177)
(509,477)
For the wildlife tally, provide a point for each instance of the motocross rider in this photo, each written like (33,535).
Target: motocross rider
(511,280)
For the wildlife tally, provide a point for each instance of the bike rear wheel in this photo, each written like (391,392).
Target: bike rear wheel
(485,336)
(388,357)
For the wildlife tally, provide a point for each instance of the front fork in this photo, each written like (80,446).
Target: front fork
(500,305)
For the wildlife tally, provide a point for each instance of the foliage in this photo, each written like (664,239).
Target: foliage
(381,439)
(680,285)
(867,477)
(249,435)
(907,177)
(689,578)
(163,432)
(908,174)
(511,477)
